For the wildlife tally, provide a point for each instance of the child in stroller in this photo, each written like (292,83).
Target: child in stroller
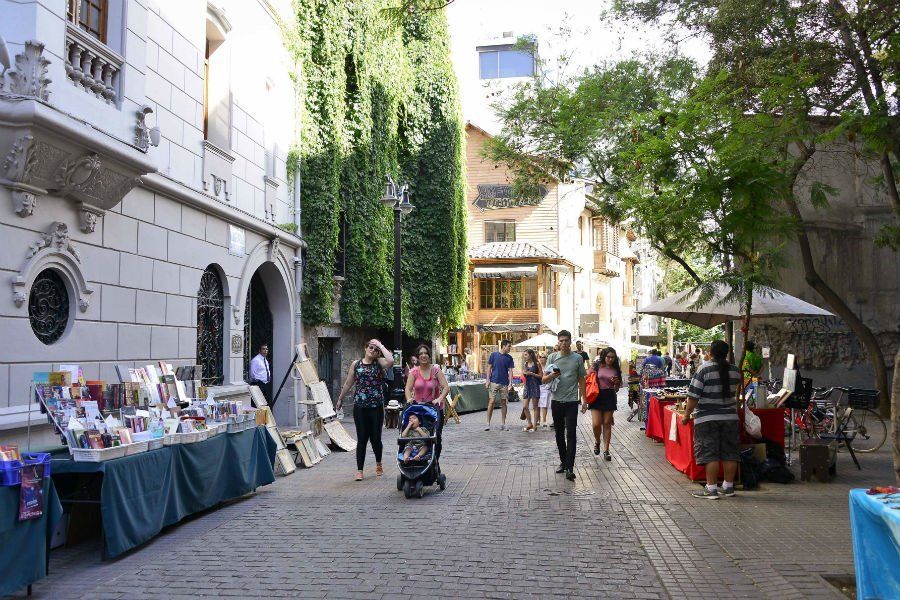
(415,459)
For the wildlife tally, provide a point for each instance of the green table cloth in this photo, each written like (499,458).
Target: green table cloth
(473,396)
(25,545)
(143,493)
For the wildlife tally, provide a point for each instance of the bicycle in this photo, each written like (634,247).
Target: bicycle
(865,430)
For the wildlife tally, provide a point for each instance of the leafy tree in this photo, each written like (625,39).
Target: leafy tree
(792,60)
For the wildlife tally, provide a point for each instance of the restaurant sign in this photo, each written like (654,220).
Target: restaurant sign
(496,195)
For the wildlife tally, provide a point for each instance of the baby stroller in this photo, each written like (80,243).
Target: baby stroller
(416,474)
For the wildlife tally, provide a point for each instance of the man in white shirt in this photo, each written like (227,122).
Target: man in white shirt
(260,373)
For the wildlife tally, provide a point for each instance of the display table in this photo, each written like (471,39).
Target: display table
(473,395)
(680,451)
(143,493)
(25,545)
(875,527)
(654,426)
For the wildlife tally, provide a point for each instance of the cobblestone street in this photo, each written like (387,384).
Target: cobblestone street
(506,527)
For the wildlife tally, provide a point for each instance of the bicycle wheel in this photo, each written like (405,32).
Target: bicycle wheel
(866,431)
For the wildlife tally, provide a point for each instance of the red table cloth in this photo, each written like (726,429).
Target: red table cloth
(654,428)
(680,451)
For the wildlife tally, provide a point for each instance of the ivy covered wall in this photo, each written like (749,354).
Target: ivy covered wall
(378,98)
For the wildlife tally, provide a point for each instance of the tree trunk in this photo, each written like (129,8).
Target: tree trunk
(895,417)
(837,304)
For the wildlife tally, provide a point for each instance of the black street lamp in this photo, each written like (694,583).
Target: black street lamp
(397,197)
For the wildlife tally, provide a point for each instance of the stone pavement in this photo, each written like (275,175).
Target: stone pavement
(506,527)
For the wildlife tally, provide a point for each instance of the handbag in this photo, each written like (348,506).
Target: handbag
(591,388)
(752,424)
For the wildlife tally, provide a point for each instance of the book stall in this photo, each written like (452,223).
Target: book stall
(152,448)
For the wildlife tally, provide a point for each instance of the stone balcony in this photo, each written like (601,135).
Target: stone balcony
(92,66)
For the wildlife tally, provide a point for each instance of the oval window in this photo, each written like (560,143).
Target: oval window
(48,306)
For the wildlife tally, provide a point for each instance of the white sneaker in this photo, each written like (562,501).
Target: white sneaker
(503,427)
(488,428)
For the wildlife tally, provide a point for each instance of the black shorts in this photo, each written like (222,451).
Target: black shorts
(606,401)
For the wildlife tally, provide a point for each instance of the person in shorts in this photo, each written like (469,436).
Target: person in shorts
(499,381)
(713,406)
(544,398)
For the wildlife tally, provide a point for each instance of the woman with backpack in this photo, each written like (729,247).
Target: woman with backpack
(367,374)
(609,379)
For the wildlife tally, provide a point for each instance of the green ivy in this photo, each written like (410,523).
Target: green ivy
(378,99)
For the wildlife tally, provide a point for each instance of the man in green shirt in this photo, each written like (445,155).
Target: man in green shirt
(566,370)
(751,367)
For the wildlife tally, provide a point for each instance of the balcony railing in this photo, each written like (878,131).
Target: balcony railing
(92,66)
(604,262)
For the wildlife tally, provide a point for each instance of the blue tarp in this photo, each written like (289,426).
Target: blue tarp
(875,526)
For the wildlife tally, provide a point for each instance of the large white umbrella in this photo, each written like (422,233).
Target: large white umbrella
(544,340)
(715,312)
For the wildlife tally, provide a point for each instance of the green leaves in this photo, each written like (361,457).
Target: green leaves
(380,97)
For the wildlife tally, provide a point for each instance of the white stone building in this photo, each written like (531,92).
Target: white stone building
(142,182)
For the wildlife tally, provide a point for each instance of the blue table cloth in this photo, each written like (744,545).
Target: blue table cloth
(25,545)
(143,493)
(875,526)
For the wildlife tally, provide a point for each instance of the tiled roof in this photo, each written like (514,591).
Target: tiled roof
(514,250)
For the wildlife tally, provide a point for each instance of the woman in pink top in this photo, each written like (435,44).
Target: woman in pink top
(609,380)
(427,384)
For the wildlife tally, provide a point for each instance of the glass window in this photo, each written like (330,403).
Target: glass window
(499,231)
(531,292)
(48,306)
(487,65)
(507,293)
(514,63)
(597,233)
(549,283)
(210,327)
(89,15)
(494,64)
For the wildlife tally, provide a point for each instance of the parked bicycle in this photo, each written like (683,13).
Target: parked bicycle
(864,429)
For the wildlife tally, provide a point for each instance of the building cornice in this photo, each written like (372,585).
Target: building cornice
(205,203)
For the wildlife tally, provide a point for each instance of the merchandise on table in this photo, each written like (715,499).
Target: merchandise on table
(149,408)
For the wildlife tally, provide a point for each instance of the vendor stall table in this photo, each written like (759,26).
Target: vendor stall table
(473,395)
(875,527)
(680,451)
(677,382)
(25,545)
(142,493)
(655,417)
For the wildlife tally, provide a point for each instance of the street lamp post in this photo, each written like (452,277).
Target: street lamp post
(397,197)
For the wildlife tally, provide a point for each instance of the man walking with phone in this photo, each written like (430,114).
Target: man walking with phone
(567,369)
(499,381)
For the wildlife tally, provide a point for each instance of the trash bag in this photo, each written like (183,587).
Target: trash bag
(775,452)
(776,472)
(749,469)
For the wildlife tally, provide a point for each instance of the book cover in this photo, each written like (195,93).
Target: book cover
(31,494)
(59,378)
(94,440)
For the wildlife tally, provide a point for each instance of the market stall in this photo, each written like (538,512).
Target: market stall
(655,406)
(679,439)
(25,544)
(141,494)
(472,395)
(875,527)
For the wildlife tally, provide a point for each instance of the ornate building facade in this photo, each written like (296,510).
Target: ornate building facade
(145,205)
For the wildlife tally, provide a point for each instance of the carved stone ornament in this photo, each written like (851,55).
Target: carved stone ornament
(236,312)
(18,166)
(78,175)
(53,249)
(29,78)
(57,237)
(88,216)
(273,249)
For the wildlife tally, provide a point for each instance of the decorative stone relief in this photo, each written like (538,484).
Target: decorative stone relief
(236,312)
(274,246)
(88,216)
(17,167)
(53,249)
(78,175)
(216,171)
(145,136)
(57,237)
(29,78)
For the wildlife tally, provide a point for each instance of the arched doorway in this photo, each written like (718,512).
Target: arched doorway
(210,327)
(258,327)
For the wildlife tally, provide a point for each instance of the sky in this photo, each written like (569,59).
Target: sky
(574,27)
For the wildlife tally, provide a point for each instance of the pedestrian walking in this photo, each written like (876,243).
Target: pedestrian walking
(544,399)
(531,372)
(609,380)
(428,385)
(712,404)
(579,349)
(499,381)
(567,372)
(667,364)
(367,374)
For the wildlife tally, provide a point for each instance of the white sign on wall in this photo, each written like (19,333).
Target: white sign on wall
(236,241)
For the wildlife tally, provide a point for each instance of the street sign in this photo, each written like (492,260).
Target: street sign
(589,323)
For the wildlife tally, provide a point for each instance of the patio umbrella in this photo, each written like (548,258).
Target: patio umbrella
(539,341)
(778,304)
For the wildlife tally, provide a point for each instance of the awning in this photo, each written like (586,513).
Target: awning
(559,268)
(506,272)
(504,328)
